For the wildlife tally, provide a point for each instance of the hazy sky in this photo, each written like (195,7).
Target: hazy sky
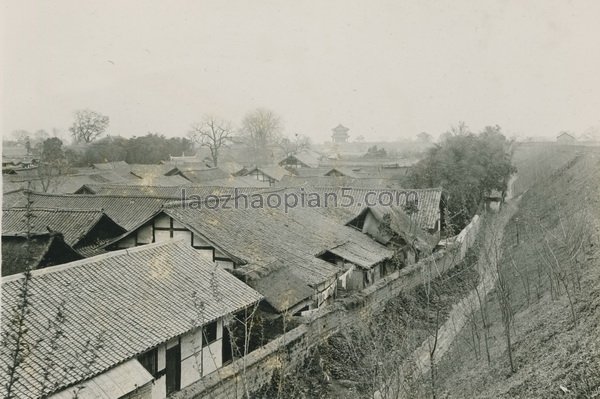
(385,69)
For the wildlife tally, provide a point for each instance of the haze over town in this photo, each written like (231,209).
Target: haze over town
(387,70)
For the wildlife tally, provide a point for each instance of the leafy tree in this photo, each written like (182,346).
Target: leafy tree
(213,133)
(262,128)
(153,148)
(51,150)
(88,125)
(468,167)
(108,149)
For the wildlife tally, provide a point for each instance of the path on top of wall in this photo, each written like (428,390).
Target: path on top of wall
(492,236)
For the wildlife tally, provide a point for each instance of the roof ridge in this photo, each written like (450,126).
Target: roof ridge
(32,233)
(100,195)
(92,259)
(36,209)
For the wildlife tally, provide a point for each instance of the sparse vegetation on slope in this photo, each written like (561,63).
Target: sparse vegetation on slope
(551,258)
(372,355)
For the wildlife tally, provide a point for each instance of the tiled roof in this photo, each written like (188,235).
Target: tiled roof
(73,224)
(343,171)
(112,165)
(173,181)
(125,378)
(273,171)
(337,181)
(405,227)
(147,171)
(341,127)
(12,198)
(231,167)
(269,240)
(204,176)
(190,164)
(40,250)
(311,172)
(566,135)
(71,182)
(362,162)
(428,205)
(129,301)
(10,187)
(282,290)
(307,157)
(125,211)
(173,193)
(240,182)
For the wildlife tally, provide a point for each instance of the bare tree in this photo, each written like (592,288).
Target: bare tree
(53,163)
(295,144)
(88,125)
(262,128)
(504,291)
(212,132)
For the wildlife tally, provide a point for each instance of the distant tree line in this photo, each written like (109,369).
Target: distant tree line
(149,149)
(261,131)
(469,167)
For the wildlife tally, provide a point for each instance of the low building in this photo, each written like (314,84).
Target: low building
(85,230)
(392,227)
(425,207)
(115,166)
(302,159)
(494,201)
(291,258)
(144,322)
(203,176)
(33,251)
(127,211)
(565,139)
(267,174)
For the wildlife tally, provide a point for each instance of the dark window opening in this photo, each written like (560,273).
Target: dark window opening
(173,369)
(304,309)
(329,257)
(150,361)
(227,350)
(209,333)
(359,221)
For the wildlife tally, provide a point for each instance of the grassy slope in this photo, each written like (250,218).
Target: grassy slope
(550,349)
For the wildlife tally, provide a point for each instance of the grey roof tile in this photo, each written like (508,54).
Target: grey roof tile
(133,299)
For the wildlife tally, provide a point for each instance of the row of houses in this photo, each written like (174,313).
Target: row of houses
(149,285)
(294,169)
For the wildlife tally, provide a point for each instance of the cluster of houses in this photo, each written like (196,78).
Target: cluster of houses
(136,292)
(186,170)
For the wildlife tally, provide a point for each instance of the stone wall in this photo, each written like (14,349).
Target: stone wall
(289,350)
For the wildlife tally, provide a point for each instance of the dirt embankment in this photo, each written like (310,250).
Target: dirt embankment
(551,261)
(491,236)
